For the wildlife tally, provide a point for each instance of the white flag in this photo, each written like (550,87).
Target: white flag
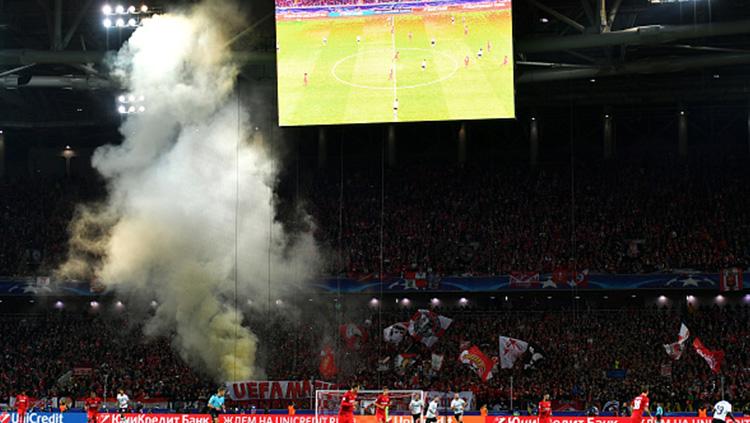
(427,327)
(437,361)
(394,333)
(675,349)
(510,350)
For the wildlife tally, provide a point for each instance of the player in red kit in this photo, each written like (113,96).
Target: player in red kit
(92,406)
(382,403)
(545,409)
(348,402)
(22,404)
(640,403)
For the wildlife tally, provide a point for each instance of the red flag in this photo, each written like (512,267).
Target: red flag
(731,279)
(353,335)
(327,366)
(713,358)
(478,361)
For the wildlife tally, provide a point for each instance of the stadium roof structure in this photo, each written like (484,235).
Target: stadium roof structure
(567,52)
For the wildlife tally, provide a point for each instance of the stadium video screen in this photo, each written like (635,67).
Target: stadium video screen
(363,61)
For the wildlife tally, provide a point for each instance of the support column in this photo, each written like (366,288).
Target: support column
(682,134)
(57,21)
(322,148)
(391,146)
(748,127)
(533,143)
(462,144)
(2,155)
(609,144)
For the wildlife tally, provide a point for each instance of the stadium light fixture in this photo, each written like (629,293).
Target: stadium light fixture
(435,302)
(94,304)
(606,297)
(120,9)
(720,299)
(131,9)
(592,80)
(533,119)
(606,116)
(633,296)
(32,301)
(154,304)
(279,303)
(717,76)
(463,301)
(59,305)
(107,23)
(1,131)
(107,9)
(144,9)
(506,298)
(682,113)
(662,299)
(120,22)
(549,297)
(132,22)
(119,305)
(374,302)
(746,298)
(577,297)
(405,302)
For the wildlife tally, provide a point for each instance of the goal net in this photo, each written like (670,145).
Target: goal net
(328,401)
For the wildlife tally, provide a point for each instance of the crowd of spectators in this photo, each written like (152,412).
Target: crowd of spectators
(579,347)
(472,220)
(305,3)
(497,220)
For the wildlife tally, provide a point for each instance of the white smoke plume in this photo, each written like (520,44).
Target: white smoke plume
(168,228)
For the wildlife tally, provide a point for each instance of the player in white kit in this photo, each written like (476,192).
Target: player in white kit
(457,406)
(415,407)
(722,410)
(122,403)
(432,411)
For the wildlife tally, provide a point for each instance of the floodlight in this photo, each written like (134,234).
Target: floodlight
(131,10)
(144,9)
(131,109)
(107,23)
(141,109)
(107,9)
(122,109)
(132,22)
(121,99)
(119,9)
(131,98)
(120,22)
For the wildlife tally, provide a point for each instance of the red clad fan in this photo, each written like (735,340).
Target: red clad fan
(382,402)
(92,406)
(22,405)
(545,410)
(640,403)
(348,402)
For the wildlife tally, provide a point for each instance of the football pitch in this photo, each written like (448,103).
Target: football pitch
(395,68)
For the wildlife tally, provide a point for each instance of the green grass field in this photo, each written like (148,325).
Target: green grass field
(350,82)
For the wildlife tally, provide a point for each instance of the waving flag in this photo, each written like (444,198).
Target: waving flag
(395,333)
(437,361)
(427,327)
(731,279)
(478,361)
(510,350)
(713,358)
(352,335)
(327,366)
(676,349)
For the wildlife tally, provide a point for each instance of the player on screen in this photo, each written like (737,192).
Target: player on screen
(348,402)
(466,29)
(216,404)
(424,64)
(410,35)
(640,403)
(359,39)
(489,46)
(122,403)
(722,410)
(545,409)
(382,403)
(395,109)
(453,20)
(505,60)
(92,405)
(22,405)
(433,42)
(305,80)
(325,41)
(457,406)
(415,407)
(466,61)
(480,53)
(395,56)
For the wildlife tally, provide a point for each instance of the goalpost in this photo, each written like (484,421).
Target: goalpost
(328,401)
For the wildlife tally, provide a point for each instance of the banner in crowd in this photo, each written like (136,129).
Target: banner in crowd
(427,326)
(728,280)
(327,366)
(478,361)
(713,358)
(676,349)
(436,362)
(510,350)
(559,280)
(275,389)
(731,279)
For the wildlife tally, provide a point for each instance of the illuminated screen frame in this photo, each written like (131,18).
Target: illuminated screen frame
(384,62)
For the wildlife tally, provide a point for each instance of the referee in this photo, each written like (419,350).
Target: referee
(216,404)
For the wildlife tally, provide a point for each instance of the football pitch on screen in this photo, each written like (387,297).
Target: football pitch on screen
(425,66)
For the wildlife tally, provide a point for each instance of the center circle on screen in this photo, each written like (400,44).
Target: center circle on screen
(379,54)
